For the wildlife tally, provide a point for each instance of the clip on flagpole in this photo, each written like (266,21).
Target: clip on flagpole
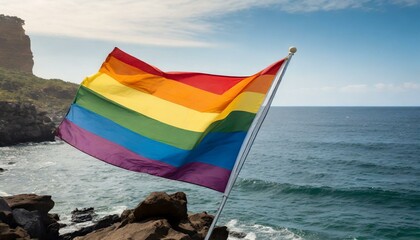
(249,139)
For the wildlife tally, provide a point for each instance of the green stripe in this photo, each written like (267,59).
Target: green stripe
(236,121)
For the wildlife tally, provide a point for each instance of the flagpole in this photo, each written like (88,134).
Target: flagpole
(249,139)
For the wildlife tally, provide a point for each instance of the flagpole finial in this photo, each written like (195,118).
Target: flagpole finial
(292,50)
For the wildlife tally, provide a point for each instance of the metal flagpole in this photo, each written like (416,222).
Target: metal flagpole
(250,137)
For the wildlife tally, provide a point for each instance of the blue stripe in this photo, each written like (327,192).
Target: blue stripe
(217,148)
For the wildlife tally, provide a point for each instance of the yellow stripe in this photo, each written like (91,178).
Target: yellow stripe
(165,111)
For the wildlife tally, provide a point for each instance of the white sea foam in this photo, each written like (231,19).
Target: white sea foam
(114,210)
(257,231)
(71,226)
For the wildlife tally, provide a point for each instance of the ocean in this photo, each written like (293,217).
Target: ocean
(313,173)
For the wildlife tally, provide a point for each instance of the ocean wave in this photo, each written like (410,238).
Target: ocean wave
(257,231)
(359,145)
(371,195)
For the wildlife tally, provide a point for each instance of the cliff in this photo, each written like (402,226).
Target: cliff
(21,122)
(52,96)
(15,45)
(31,106)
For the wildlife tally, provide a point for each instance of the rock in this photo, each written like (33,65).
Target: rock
(161,205)
(6,213)
(237,234)
(159,216)
(31,221)
(153,229)
(127,216)
(8,233)
(102,223)
(15,45)
(107,221)
(219,233)
(2,169)
(21,122)
(83,215)
(30,211)
(201,220)
(31,202)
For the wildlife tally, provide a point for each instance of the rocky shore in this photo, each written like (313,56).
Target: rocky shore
(21,122)
(159,216)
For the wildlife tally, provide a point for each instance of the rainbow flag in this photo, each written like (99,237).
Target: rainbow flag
(178,125)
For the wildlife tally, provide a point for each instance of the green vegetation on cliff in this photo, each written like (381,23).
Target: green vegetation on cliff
(53,96)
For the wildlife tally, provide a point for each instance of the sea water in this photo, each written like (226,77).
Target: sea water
(312,173)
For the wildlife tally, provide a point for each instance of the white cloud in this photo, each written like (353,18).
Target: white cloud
(363,88)
(163,22)
(389,87)
(355,88)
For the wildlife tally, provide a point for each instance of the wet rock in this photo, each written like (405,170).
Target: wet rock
(83,215)
(219,233)
(102,223)
(237,234)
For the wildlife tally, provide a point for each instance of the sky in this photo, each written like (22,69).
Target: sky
(350,52)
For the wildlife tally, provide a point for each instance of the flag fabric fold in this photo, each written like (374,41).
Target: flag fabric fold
(183,126)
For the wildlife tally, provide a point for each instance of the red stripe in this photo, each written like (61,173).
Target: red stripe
(212,83)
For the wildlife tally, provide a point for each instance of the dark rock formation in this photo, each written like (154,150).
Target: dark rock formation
(102,223)
(15,45)
(82,215)
(159,216)
(21,122)
(26,216)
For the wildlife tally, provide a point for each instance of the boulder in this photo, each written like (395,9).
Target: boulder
(83,215)
(161,205)
(237,234)
(31,202)
(6,213)
(30,212)
(200,220)
(31,221)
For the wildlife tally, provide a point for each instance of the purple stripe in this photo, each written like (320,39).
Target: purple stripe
(202,174)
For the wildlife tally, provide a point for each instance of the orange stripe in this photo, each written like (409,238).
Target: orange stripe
(164,88)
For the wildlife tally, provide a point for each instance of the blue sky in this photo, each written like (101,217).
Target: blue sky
(350,52)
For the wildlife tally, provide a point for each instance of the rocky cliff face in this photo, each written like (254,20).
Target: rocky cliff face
(21,122)
(15,45)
